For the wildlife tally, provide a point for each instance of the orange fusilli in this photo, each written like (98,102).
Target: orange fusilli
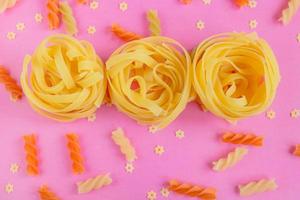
(239,138)
(123,34)
(53,14)
(75,153)
(31,154)
(10,84)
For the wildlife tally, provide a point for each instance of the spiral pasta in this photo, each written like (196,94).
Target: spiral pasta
(297,150)
(31,151)
(75,153)
(10,84)
(149,80)
(232,159)
(67,80)
(82,1)
(235,75)
(123,34)
(241,3)
(255,187)
(53,14)
(5,4)
(94,183)
(46,194)
(68,18)
(192,190)
(186,1)
(289,12)
(154,23)
(123,142)
(246,139)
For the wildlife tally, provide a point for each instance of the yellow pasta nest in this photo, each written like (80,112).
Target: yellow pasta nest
(66,80)
(235,75)
(150,80)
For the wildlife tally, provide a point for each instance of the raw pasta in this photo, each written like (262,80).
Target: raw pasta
(82,1)
(241,3)
(46,194)
(53,14)
(68,18)
(67,79)
(123,142)
(235,75)
(255,187)
(231,159)
(289,12)
(297,150)
(154,23)
(5,4)
(94,183)
(10,84)
(246,139)
(149,80)
(192,190)
(186,1)
(31,151)
(75,153)
(123,34)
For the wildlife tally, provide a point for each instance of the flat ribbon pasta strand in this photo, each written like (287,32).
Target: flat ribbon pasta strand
(67,79)
(150,80)
(255,187)
(5,4)
(235,75)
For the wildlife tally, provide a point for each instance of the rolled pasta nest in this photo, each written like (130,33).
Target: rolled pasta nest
(150,80)
(67,79)
(235,75)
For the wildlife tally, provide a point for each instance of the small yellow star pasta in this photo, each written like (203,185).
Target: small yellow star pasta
(150,80)
(235,75)
(67,79)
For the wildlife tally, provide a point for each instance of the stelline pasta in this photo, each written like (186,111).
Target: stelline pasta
(235,75)
(149,80)
(67,79)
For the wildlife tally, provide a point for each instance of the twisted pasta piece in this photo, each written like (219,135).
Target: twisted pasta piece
(186,1)
(123,142)
(255,187)
(288,13)
(192,190)
(232,159)
(297,150)
(94,183)
(82,1)
(75,153)
(241,3)
(123,34)
(31,154)
(235,75)
(149,80)
(67,80)
(246,139)
(10,84)
(154,23)
(53,14)
(46,194)
(68,18)
(5,4)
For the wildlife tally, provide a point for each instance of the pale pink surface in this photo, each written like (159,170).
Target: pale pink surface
(188,159)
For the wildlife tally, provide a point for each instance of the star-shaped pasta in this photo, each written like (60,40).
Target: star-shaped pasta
(200,25)
(11,35)
(271,114)
(179,134)
(14,168)
(206,2)
(38,17)
(129,168)
(164,192)
(252,3)
(253,24)
(123,6)
(159,150)
(92,117)
(91,30)
(151,195)
(9,188)
(295,113)
(153,129)
(20,26)
(94,5)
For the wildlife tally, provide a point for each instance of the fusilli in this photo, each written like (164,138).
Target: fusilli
(53,13)
(5,4)
(241,3)
(123,34)
(255,187)
(94,183)
(31,154)
(46,194)
(297,150)
(154,23)
(10,84)
(246,139)
(68,18)
(288,13)
(75,153)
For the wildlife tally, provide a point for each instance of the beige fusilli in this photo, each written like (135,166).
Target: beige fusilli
(154,23)
(5,4)
(68,18)
(93,183)
(289,12)
(255,187)
(231,159)
(123,142)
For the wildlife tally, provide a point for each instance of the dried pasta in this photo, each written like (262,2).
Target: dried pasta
(10,84)
(82,1)
(75,153)
(289,12)
(46,194)
(123,142)
(67,79)
(241,3)
(154,23)
(68,18)
(123,34)
(31,151)
(255,187)
(297,150)
(235,75)
(149,80)
(53,14)
(93,183)
(246,139)
(192,190)
(186,1)
(231,159)
(5,4)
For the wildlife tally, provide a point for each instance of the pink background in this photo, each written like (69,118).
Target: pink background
(188,159)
